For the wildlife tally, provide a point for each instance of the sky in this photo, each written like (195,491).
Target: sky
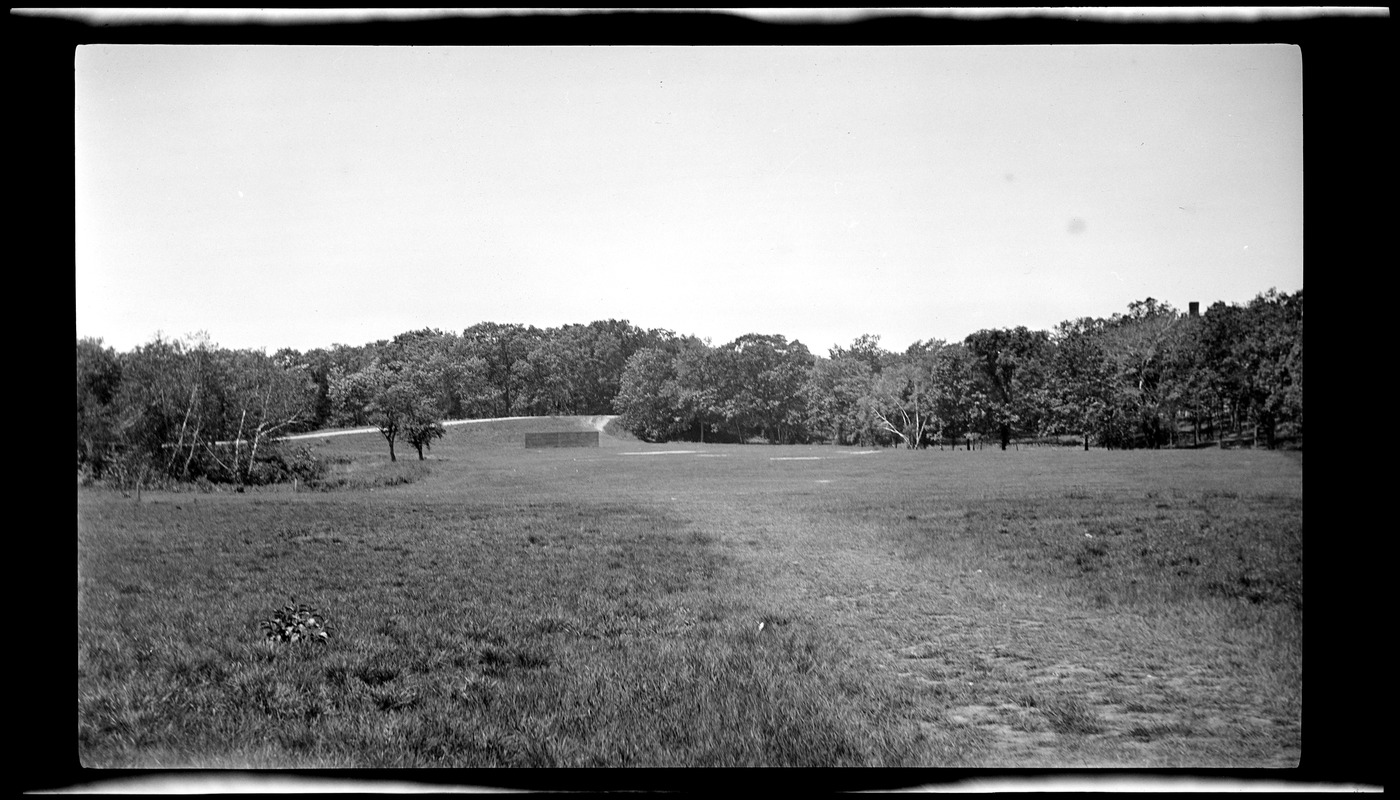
(302,196)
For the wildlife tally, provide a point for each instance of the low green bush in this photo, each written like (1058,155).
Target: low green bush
(305,466)
(295,622)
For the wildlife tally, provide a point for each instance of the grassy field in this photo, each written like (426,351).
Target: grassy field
(631,605)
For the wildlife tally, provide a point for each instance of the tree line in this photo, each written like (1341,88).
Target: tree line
(1150,377)
(190,410)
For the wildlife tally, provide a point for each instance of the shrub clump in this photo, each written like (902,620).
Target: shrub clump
(295,622)
(282,465)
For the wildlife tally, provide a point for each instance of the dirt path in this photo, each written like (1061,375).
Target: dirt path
(1030,679)
(598,422)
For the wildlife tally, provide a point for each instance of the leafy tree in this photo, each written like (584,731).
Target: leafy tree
(267,397)
(1291,398)
(99,380)
(866,349)
(596,358)
(1186,377)
(1224,327)
(902,400)
(1261,363)
(396,397)
(1083,381)
(648,402)
(434,353)
(168,406)
(1010,365)
(311,365)
(760,386)
(319,364)
(577,369)
(836,388)
(697,392)
(1281,360)
(959,400)
(421,434)
(1141,346)
(471,386)
(504,350)
(547,377)
(187,409)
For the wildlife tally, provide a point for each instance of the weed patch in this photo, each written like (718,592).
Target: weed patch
(1070,715)
(295,622)
(344,474)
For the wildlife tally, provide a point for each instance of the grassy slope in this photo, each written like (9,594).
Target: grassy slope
(592,607)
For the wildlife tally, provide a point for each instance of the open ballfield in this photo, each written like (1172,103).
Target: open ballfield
(634,605)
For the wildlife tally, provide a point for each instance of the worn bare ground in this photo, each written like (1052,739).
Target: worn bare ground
(1032,679)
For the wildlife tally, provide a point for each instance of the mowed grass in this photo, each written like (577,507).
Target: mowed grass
(602,607)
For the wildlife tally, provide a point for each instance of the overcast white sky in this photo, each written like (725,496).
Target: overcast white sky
(302,196)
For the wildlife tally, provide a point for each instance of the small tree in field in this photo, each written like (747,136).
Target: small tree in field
(421,435)
(397,397)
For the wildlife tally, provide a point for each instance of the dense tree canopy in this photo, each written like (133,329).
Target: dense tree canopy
(1150,377)
(396,397)
(1011,368)
(1147,378)
(837,392)
(99,380)
(649,399)
(759,382)
(186,409)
